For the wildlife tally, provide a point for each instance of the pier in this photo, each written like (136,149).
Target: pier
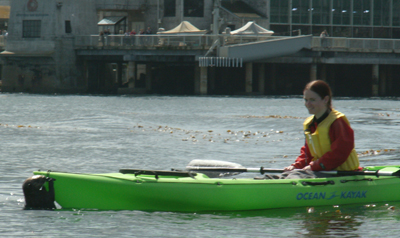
(238,65)
(353,66)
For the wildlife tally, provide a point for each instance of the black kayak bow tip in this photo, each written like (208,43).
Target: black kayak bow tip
(36,195)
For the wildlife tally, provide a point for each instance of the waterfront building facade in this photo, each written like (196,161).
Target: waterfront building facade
(341,18)
(40,55)
(89,46)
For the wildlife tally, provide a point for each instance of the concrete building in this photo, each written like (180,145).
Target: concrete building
(40,54)
(56,47)
(342,18)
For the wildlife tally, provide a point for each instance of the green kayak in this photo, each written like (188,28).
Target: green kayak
(193,192)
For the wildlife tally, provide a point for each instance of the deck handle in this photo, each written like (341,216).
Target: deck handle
(305,183)
(156,173)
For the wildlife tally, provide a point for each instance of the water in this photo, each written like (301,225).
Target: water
(97,134)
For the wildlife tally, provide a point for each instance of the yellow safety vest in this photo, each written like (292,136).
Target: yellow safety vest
(319,142)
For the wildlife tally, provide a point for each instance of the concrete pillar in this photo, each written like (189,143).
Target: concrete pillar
(261,78)
(197,76)
(375,80)
(212,75)
(313,72)
(119,74)
(389,78)
(249,77)
(148,77)
(383,80)
(203,80)
(323,73)
(130,74)
(273,78)
(332,77)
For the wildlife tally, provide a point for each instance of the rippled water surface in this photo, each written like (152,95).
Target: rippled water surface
(97,134)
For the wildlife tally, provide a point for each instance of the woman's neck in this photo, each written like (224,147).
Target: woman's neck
(323,115)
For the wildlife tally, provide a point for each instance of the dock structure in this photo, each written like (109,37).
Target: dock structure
(64,47)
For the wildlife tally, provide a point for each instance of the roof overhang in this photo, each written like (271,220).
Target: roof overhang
(26,54)
(110,21)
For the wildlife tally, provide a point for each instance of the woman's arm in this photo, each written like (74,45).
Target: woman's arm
(304,158)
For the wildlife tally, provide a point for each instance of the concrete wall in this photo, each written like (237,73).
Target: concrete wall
(48,63)
(23,74)
(5,2)
(81,14)
(122,4)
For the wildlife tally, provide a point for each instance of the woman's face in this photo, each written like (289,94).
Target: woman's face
(314,103)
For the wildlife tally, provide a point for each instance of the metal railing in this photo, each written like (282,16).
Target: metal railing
(142,41)
(205,41)
(182,40)
(193,41)
(337,43)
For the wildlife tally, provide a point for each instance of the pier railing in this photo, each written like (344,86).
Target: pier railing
(142,41)
(203,41)
(192,41)
(350,44)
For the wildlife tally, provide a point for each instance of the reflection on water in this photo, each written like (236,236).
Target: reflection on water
(331,223)
(324,221)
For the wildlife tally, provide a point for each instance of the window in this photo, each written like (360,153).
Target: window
(341,12)
(31,28)
(193,8)
(396,13)
(300,11)
(68,28)
(382,12)
(169,8)
(362,12)
(279,11)
(320,11)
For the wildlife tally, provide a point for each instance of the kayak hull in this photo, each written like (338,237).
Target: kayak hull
(117,191)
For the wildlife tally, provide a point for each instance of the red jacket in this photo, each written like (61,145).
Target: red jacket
(342,143)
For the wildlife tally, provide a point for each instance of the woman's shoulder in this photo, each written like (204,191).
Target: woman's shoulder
(340,122)
(337,114)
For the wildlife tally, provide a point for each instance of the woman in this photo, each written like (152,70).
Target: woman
(329,138)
